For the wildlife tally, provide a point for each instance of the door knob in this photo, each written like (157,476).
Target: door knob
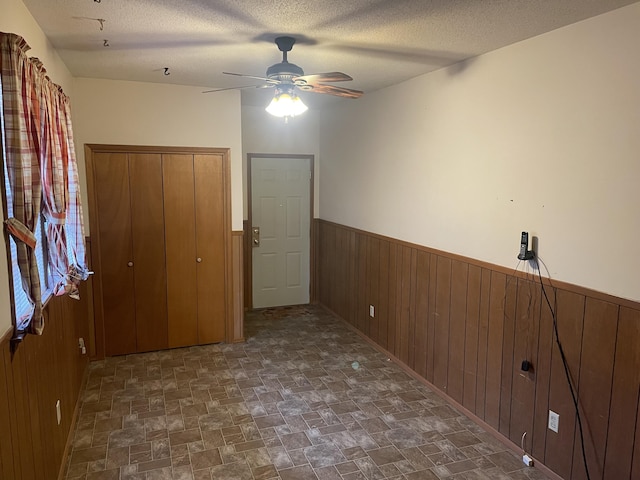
(199,260)
(130,264)
(255,236)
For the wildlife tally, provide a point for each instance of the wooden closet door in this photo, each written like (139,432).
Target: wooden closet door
(147,225)
(179,208)
(210,243)
(111,180)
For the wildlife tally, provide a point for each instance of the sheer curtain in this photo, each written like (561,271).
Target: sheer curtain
(42,172)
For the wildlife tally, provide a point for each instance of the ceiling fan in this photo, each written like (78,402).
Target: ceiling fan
(286,77)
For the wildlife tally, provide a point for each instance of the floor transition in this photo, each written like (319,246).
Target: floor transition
(304,398)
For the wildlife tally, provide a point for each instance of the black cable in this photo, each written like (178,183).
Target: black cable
(566,367)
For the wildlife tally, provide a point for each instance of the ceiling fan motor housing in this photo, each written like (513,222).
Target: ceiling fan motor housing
(283,70)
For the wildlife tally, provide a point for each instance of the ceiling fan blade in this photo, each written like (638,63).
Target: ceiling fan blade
(323,77)
(333,90)
(265,79)
(238,88)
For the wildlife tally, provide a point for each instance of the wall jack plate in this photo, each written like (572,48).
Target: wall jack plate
(554,421)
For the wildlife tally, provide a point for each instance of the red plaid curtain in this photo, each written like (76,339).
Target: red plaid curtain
(20,101)
(40,158)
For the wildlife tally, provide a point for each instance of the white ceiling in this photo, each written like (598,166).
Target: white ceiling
(377,42)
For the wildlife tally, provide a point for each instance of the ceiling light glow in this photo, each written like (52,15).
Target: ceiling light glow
(286,104)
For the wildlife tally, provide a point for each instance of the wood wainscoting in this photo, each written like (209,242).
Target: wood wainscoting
(466,326)
(237,269)
(43,370)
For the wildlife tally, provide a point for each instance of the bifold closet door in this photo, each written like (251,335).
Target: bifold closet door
(179,217)
(147,227)
(111,180)
(210,241)
(194,223)
(132,259)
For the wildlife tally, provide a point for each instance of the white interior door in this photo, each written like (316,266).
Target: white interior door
(280,209)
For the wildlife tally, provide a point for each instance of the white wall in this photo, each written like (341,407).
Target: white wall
(543,135)
(134,113)
(264,133)
(15,18)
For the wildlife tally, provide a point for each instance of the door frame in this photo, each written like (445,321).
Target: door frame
(248,256)
(96,325)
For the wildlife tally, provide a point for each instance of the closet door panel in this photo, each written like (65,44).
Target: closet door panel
(210,242)
(111,175)
(147,224)
(177,172)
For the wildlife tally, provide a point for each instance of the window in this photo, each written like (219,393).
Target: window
(24,309)
(40,172)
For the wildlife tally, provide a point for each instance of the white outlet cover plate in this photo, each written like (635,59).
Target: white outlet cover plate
(554,421)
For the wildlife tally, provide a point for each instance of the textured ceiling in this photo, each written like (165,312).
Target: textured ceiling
(377,42)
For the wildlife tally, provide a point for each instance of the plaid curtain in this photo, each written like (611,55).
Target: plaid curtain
(76,268)
(20,101)
(40,158)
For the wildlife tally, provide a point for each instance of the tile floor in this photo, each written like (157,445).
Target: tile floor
(304,398)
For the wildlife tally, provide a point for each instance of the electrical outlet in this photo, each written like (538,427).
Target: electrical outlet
(58,412)
(372,311)
(554,421)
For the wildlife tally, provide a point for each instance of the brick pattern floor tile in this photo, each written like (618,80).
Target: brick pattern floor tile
(303,398)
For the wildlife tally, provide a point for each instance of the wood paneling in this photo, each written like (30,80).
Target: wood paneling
(441,330)
(559,447)
(393,298)
(457,329)
(508,338)
(466,326)
(43,370)
(527,319)
(494,349)
(237,247)
(9,446)
(383,294)
(472,323)
(373,271)
(542,369)
(421,313)
(596,375)
(625,394)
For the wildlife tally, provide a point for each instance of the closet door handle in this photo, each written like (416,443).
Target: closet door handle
(199,260)
(130,264)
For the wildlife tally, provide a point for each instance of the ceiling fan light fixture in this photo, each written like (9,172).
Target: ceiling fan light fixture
(286,104)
